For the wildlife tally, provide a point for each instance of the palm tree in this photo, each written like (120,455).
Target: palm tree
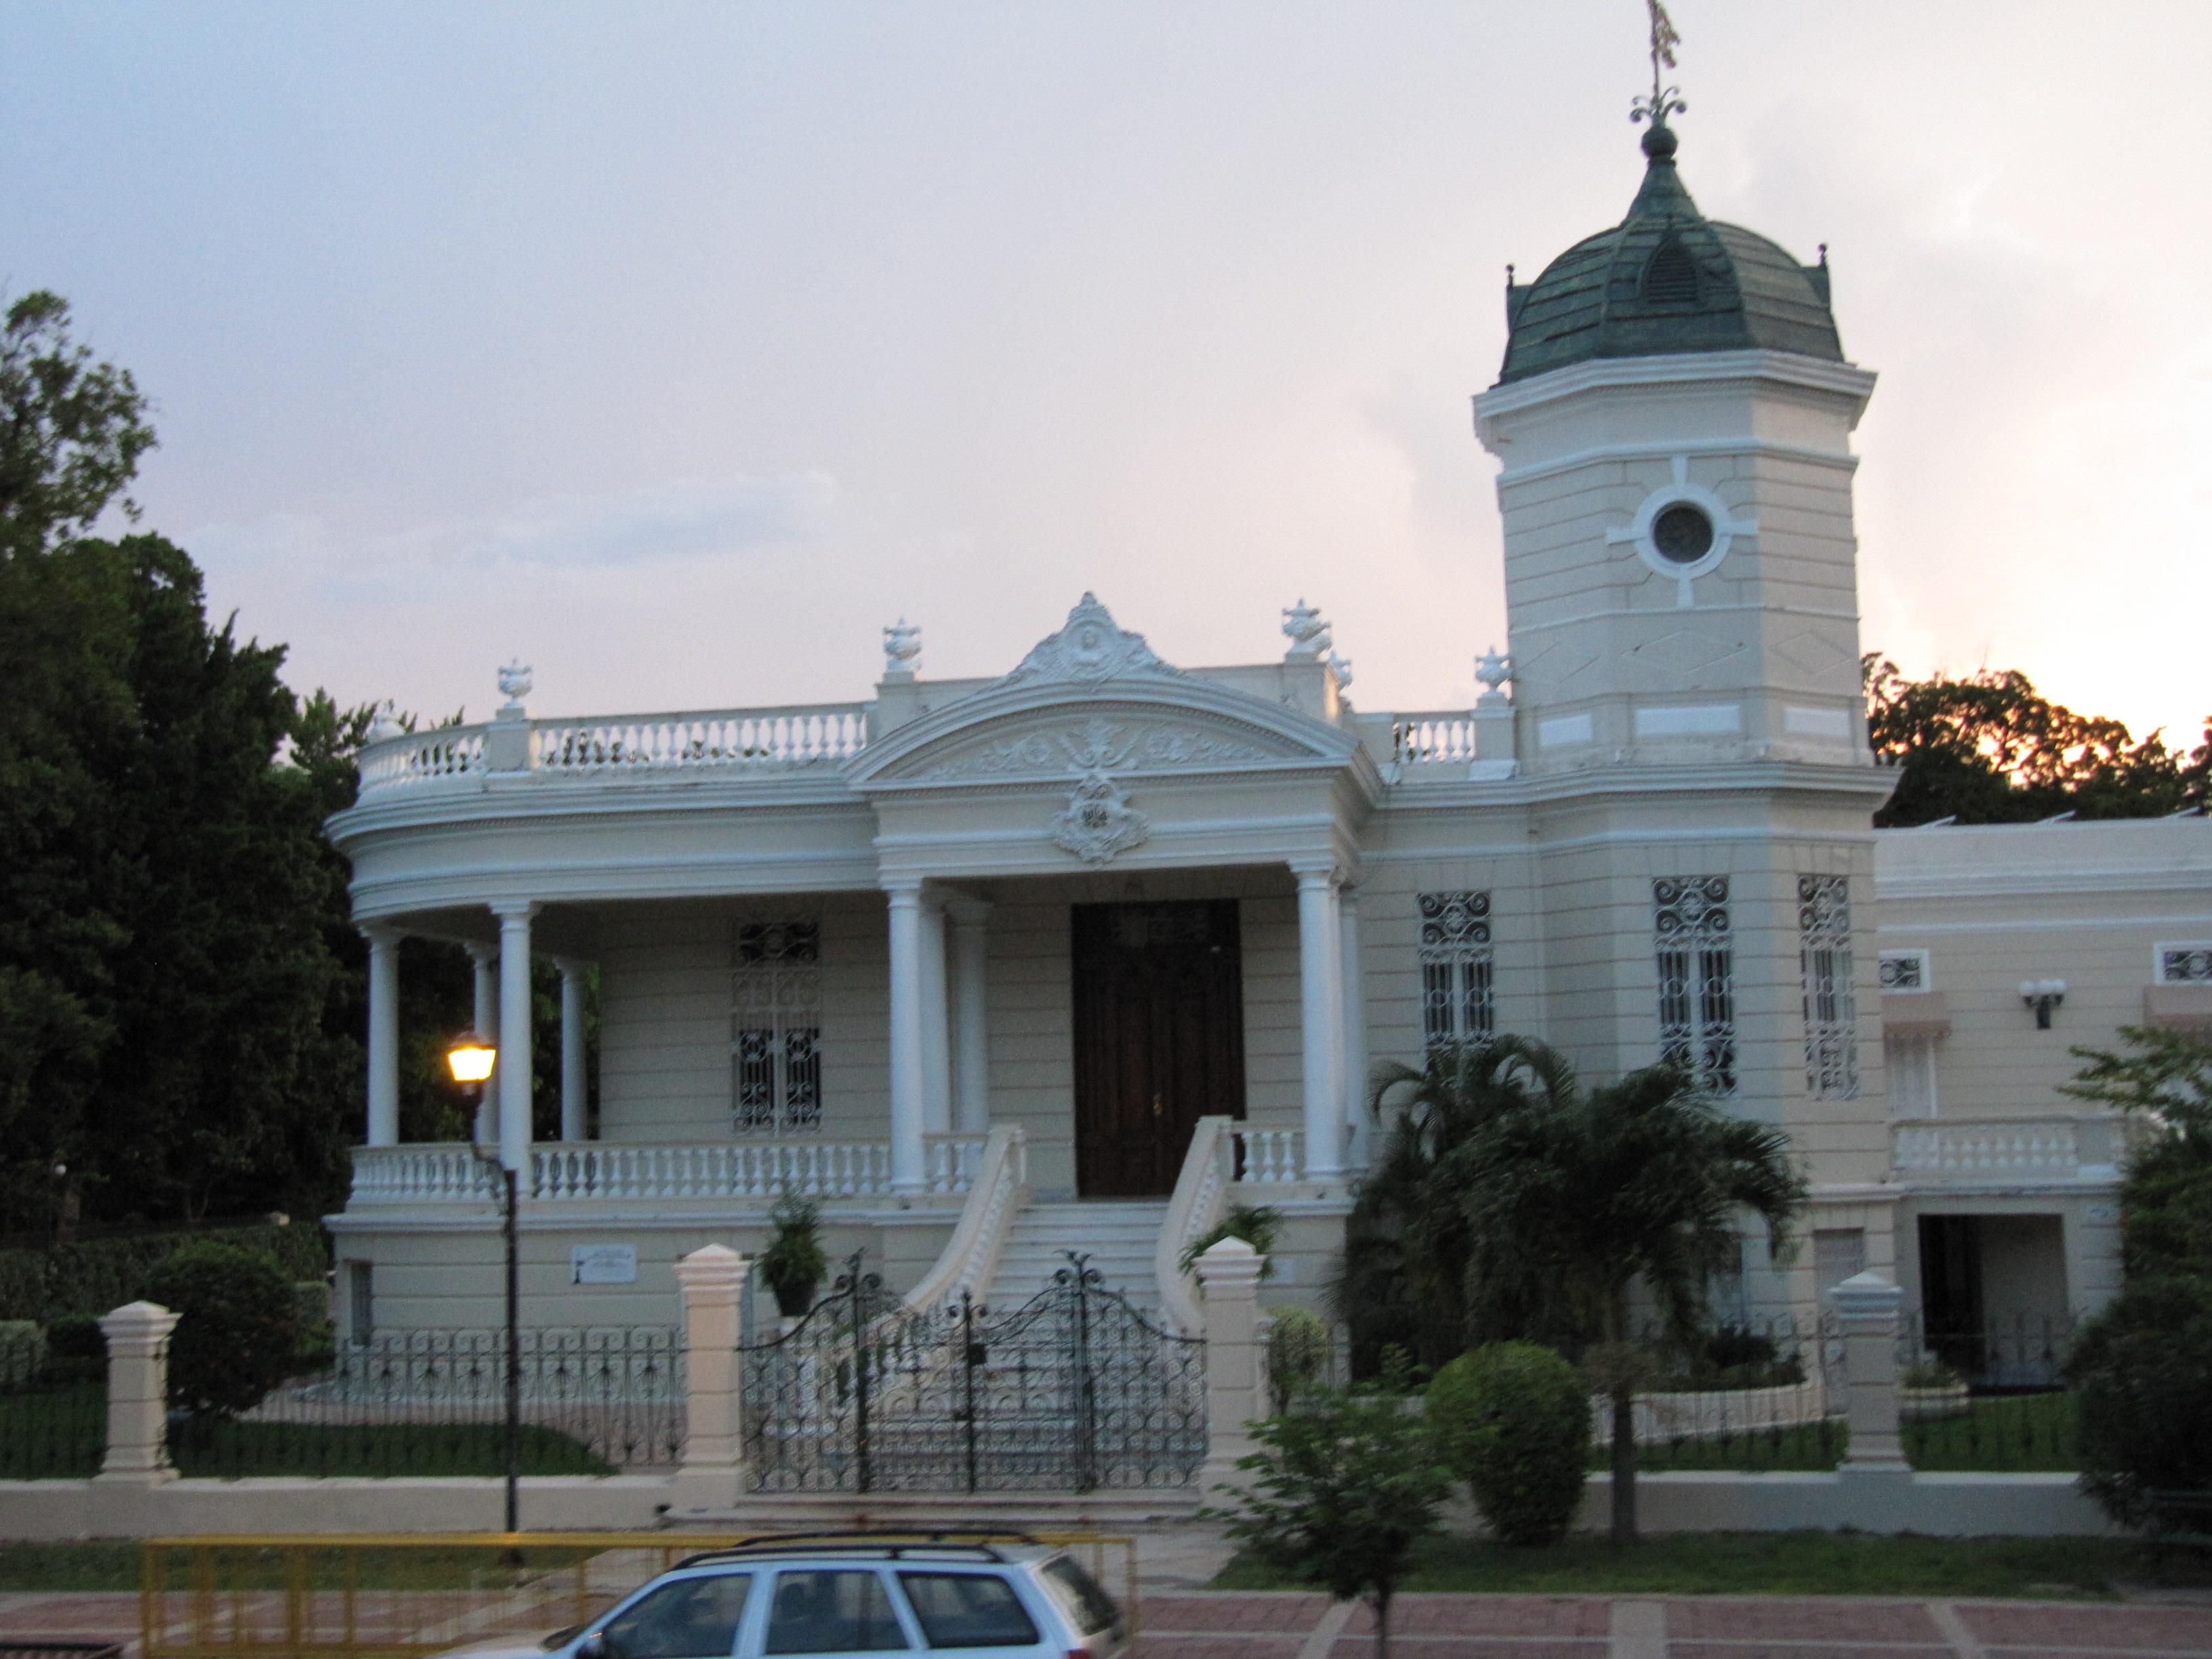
(1568,1200)
(1407,1242)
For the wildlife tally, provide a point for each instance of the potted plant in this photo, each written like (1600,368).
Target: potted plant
(793,1263)
(1929,1388)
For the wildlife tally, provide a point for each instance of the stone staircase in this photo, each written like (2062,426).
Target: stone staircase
(1120,1235)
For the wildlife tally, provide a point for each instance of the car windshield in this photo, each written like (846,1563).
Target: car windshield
(687,1619)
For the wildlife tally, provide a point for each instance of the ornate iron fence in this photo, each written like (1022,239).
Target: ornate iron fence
(434,1402)
(1073,1390)
(1755,1394)
(1987,1394)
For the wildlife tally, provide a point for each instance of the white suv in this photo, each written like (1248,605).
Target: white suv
(839,1594)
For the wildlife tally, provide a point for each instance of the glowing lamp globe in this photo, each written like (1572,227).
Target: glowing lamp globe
(471,1059)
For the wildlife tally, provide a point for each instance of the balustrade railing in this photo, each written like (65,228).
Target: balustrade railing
(578,1170)
(1432,739)
(1268,1157)
(744,740)
(2017,1148)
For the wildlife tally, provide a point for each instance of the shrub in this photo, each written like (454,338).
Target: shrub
(1297,1354)
(76,1350)
(237,1328)
(94,1276)
(2142,1371)
(1514,1421)
(22,1352)
(1930,1372)
(1735,1357)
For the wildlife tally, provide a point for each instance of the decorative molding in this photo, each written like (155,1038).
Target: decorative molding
(1090,648)
(1097,746)
(1097,822)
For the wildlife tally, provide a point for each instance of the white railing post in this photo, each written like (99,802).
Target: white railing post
(1867,1308)
(138,1335)
(712,1476)
(1229,1280)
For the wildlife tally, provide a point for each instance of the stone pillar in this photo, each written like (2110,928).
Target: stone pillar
(908,1068)
(971,1046)
(936,1020)
(1867,1308)
(138,1335)
(486,959)
(383,1035)
(1228,1287)
(514,1075)
(1322,1000)
(712,1476)
(575,1094)
(1354,998)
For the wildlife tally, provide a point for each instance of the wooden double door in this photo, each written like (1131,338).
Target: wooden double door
(1159,1038)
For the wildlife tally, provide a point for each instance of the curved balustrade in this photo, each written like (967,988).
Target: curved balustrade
(740,739)
(566,1171)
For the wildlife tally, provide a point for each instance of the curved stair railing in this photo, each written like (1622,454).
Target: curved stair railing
(995,1195)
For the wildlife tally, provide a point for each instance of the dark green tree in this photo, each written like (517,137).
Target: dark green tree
(1990,749)
(2163,1078)
(71,429)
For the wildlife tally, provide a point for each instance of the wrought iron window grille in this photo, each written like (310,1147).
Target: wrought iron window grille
(1696,958)
(1458,976)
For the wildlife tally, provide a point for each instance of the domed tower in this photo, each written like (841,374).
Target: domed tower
(1674,419)
(1674,415)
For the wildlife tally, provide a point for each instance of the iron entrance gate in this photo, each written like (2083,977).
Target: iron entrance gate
(1073,1390)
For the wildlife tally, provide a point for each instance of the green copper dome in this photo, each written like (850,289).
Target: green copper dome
(1667,279)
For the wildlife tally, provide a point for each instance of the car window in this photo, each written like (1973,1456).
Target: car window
(1088,1609)
(833,1610)
(968,1610)
(685,1619)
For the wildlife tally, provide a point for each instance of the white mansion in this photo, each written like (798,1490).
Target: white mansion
(1081,955)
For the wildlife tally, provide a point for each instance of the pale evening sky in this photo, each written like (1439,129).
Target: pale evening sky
(677,348)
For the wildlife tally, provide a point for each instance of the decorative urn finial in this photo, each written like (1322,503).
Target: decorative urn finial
(902,647)
(386,726)
(1308,634)
(1341,667)
(514,683)
(1493,669)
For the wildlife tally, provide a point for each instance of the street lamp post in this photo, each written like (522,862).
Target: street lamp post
(471,1059)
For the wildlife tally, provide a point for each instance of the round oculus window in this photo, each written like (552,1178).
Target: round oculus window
(1682,533)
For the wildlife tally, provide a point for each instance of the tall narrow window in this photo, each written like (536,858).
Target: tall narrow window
(775,1027)
(1456,1007)
(1697,978)
(1824,960)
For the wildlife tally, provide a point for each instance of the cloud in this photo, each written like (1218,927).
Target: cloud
(685,519)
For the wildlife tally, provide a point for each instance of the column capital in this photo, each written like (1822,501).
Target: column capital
(379,932)
(513,912)
(482,954)
(1230,1264)
(712,1267)
(1316,872)
(1866,1296)
(573,966)
(901,890)
(966,910)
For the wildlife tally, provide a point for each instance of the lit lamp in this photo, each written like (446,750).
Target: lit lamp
(471,1059)
(2042,996)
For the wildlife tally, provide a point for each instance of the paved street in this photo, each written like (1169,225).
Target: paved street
(1242,1625)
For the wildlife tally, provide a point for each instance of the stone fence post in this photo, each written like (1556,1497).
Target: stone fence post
(711,1477)
(1228,1287)
(138,1335)
(1867,1308)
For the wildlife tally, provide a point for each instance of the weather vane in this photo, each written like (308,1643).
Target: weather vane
(1665,100)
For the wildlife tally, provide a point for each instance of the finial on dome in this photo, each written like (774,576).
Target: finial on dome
(1665,100)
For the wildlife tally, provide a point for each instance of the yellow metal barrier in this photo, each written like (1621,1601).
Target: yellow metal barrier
(409,1595)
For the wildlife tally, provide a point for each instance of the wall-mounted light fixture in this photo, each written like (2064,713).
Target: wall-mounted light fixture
(2043,995)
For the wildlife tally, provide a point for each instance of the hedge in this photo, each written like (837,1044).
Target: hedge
(95,1275)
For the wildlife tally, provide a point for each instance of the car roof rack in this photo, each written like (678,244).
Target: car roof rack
(893,1542)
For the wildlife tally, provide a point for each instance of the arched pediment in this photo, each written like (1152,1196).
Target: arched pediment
(1092,700)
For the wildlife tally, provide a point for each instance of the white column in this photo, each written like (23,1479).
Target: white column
(1866,1307)
(1229,1280)
(908,1068)
(936,1019)
(486,1025)
(712,1476)
(971,1071)
(573,1094)
(138,1335)
(383,1037)
(514,1072)
(1353,993)
(1321,962)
